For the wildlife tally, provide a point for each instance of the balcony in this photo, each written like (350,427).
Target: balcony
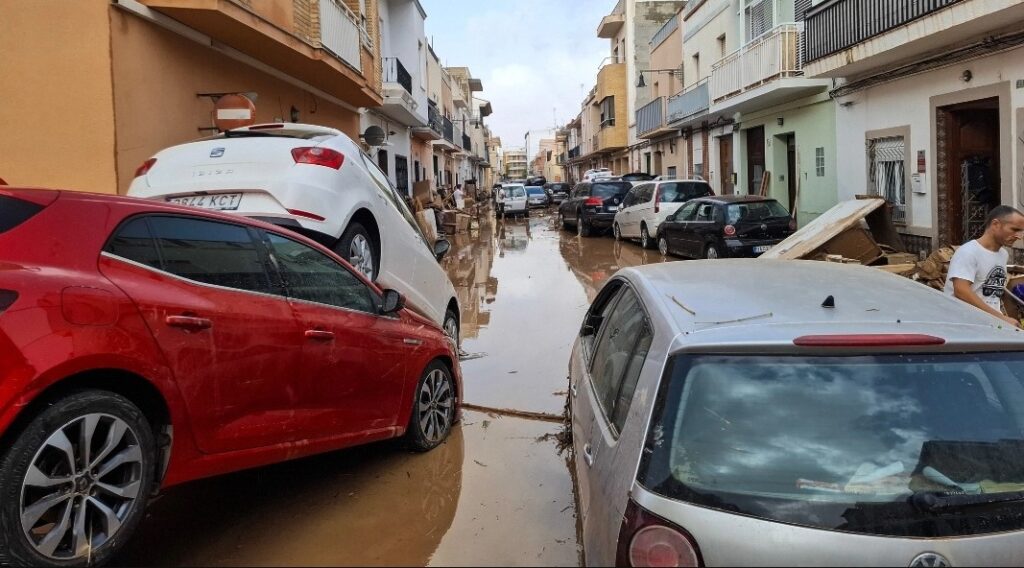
(849,38)
(650,120)
(765,72)
(330,60)
(449,130)
(574,153)
(395,72)
(467,143)
(434,130)
(690,103)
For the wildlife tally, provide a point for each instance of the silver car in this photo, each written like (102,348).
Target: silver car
(789,413)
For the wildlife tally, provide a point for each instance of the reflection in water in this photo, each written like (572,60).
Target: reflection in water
(594,260)
(375,505)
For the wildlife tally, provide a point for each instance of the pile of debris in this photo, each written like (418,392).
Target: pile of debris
(437,215)
(933,270)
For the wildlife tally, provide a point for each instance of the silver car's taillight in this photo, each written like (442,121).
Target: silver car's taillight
(646,540)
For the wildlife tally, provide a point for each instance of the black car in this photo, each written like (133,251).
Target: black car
(558,191)
(540,181)
(637,176)
(593,205)
(736,226)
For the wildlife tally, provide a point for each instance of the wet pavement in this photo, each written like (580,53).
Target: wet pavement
(498,492)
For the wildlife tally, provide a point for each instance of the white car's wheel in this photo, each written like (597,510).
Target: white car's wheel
(359,248)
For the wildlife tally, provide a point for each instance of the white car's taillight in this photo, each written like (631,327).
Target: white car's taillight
(319,157)
(145,167)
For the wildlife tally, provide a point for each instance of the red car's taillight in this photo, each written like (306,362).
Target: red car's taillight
(145,167)
(594,202)
(729,231)
(319,157)
(649,540)
(7,298)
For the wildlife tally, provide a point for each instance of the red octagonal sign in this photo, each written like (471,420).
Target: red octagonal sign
(234,111)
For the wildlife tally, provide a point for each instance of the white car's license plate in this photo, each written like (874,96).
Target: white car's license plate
(762,249)
(218,202)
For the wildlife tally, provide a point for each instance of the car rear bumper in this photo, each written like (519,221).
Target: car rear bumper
(749,248)
(599,220)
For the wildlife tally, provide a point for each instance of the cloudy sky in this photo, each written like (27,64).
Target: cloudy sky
(536,58)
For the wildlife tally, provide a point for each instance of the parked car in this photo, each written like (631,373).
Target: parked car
(317,182)
(536,196)
(536,180)
(513,200)
(147,344)
(637,177)
(558,191)
(593,205)
(884,431)
(647,205)
(597,173)
(734,226)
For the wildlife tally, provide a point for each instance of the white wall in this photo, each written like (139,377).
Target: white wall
(906,103)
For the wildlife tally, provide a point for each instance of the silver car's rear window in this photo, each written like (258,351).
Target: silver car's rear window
(894,445)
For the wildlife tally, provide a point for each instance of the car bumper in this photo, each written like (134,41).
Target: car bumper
(600,220)
(753,248)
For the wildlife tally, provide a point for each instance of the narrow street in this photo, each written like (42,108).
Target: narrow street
(498,475)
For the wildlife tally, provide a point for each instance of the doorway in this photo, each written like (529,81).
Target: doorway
(969,183)
(382,161)
(402,174)
(791,179)
(725,153)
(755,159)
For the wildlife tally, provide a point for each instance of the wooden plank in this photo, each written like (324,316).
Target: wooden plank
(829,225)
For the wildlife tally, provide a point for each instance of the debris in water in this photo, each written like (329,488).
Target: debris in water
(479,463)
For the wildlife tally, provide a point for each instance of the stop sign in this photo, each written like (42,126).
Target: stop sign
(234,111)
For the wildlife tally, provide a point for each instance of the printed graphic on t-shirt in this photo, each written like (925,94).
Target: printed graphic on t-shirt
(995,284)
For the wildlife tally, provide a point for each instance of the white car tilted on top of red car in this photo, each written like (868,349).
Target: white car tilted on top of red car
(318,182)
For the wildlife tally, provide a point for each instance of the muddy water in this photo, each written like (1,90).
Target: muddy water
(496,494)
(525,286)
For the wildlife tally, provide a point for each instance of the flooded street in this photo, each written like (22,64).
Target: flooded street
(524,287)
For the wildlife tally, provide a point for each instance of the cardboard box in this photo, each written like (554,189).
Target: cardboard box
(422,192)
(462,223)
(856,243)
(427,222)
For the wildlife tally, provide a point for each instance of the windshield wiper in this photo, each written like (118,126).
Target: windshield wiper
(936,502)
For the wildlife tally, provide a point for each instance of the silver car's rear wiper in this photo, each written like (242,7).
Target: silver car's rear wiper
(939,502)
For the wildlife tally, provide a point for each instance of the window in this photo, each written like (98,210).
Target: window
(887,175)
(687,213)
(599,310)
(758,17)
(698,171)
(616,354)
(211,252)
(312,276)
(682,192)
(608,112)
(14,212)
(134,242)
(705,213)
(819,161)
(721,46)
(671,172)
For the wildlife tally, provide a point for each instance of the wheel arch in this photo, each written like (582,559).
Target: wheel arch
(365,217)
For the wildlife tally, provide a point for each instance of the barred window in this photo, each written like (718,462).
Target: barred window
(887,175)
(819,161)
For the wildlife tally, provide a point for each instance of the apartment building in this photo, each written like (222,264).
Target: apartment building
(516,166)
(746,118)
(930,108)
(105,85)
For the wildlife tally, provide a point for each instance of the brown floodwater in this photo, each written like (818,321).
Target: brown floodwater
(497,493)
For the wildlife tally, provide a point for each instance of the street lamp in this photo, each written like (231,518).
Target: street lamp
(640,84)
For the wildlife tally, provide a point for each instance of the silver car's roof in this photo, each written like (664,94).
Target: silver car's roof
(747,304)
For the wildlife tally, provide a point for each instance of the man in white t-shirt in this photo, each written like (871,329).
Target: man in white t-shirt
(977,273)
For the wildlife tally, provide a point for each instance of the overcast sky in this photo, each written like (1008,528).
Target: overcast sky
(537,58)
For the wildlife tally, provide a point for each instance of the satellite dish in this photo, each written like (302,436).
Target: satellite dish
(374,136)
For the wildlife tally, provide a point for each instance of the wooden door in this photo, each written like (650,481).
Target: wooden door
(725,147)
(755,159)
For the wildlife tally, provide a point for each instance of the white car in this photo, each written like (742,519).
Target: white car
(648,204)
(512,200)
(318,182)
(596,174)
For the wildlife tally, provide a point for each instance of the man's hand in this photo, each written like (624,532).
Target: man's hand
(1015,323)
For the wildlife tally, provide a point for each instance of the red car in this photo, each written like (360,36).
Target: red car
(143,345)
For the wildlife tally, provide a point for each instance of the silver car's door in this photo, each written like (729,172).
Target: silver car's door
(581,397)
(619,356)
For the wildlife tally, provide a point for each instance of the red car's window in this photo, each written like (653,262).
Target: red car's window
(134,242)
(314,277)
(14,212)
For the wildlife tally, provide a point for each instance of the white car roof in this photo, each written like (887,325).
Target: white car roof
(754,302)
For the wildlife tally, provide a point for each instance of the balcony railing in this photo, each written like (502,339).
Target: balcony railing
(449,130)
(339,32)
(772,56)
(694,100)
(574,153)
(651,117)
(467,143)
(395,72)
(457,136)
(435,119)
(665,31)
(839,25)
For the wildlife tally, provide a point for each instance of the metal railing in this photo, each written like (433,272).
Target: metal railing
(456,135)
(651,117)
(467,143)
(435,119)
(395,72)
(772,56)
(449,130)
(340,32)
(841,24)
(665,31)
(689,102)
(574,153)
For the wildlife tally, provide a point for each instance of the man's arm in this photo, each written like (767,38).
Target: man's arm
(962,290)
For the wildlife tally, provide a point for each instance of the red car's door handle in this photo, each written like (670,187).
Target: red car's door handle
(319,335)
(189,322)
